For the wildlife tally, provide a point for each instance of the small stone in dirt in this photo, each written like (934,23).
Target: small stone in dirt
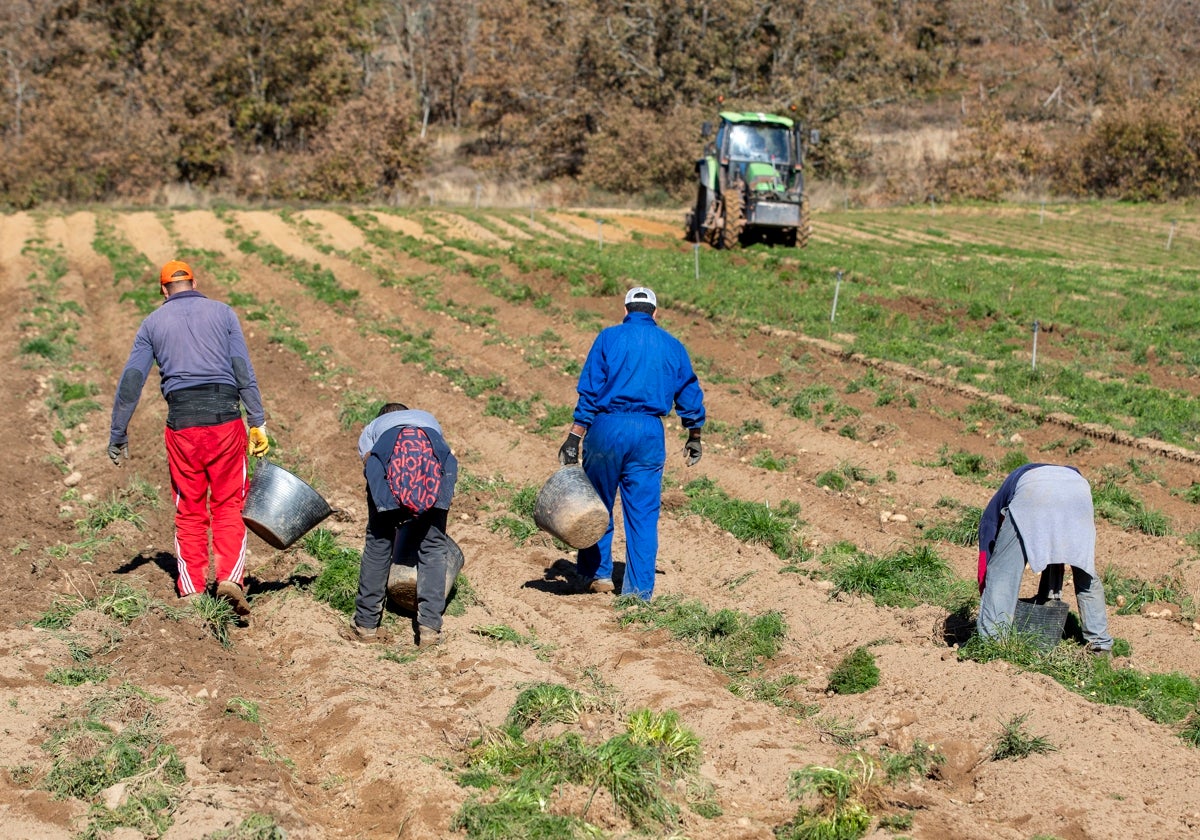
(115,796)
(899,517)
(73,479)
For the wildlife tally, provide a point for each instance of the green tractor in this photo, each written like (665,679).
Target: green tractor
(751,183)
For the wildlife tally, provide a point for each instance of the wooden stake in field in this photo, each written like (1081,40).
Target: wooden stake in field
(1171,236)
(1037,325)
(696,256)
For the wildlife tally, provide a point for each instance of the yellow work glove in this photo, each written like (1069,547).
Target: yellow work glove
(259,445)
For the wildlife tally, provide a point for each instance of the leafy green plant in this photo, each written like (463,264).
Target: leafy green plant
(1014,742)
(962,530)
(729,640)
(908,577)
(71,402)
(920,760)
(216,614)
(831,797)
(843,732)
(543,703)
(777,692)
(357,409)
(1120,506)
(1129,594)
(750,522)
(767,460)
(336,583)
(242,708)
(103,514)
(640,769)
(833,479)
(78,675)
(116,599)
(462,597)
(253,827)
(856,673)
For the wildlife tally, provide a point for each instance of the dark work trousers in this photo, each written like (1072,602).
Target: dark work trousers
(427,533)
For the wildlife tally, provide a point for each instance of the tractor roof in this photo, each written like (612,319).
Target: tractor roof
(755,117)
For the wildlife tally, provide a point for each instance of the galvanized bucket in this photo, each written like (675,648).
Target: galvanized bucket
(402,579)
(1043,622)
(281,508)
(569,508)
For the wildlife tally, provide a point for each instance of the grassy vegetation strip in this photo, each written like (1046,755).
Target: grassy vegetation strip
(905,578)
(731,641)
(752,522)
(1171,699)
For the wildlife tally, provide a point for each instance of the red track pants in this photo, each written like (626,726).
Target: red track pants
(209,474)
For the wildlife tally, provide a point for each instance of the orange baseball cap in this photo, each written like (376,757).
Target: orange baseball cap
(175,271)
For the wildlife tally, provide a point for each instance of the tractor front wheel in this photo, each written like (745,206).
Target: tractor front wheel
(804,231)
(733,211)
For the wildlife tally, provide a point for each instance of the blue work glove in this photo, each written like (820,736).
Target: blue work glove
(692,449)
(568,453)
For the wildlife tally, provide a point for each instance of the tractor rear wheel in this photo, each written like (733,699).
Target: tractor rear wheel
(733,209)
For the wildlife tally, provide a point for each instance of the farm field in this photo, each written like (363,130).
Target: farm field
(868,430)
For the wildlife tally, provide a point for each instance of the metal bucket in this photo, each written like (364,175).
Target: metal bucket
(569,508)
(402,579)
(281,508)
(1043,622)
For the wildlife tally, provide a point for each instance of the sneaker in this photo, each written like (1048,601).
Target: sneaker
(367,635)
(235,595)
(427,636)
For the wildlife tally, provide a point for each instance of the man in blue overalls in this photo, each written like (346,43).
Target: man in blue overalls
(635,373)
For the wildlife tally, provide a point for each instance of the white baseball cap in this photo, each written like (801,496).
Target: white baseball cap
(640,294)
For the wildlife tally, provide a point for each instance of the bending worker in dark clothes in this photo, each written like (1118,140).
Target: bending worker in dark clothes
(428,469)
(1041,515)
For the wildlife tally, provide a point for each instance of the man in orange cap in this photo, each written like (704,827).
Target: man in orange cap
(206,378)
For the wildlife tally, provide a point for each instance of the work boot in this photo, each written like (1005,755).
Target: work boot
(367,635)
(235,595)
(427,636)
(594,585)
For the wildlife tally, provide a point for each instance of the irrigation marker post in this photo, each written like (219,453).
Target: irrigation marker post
(696,255)
(1037,325)
(837,287)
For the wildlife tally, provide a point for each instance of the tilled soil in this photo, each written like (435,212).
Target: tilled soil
(353,744)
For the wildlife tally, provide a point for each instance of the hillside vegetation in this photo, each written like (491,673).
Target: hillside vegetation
(362,99)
